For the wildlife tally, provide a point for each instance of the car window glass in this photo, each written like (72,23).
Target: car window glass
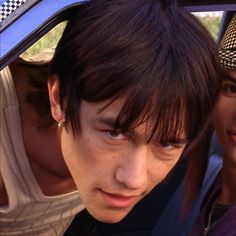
(211,20)
(45,46)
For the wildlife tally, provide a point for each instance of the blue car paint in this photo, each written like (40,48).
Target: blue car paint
(31,20)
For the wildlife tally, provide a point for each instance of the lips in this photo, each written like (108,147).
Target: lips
(118,200)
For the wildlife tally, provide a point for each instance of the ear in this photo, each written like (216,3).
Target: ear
(54,97)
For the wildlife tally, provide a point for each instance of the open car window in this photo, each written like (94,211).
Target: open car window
(36,18)
(211,20)
(46,45)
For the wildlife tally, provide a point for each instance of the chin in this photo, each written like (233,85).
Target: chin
(110,217)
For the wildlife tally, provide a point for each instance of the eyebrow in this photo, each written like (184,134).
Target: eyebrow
(230,78)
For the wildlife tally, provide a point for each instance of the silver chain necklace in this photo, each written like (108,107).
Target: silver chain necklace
(210,221)
(208,226)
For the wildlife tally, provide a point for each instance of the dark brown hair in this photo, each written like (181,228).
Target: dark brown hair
(152,51)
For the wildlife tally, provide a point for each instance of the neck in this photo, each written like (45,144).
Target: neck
(228,193)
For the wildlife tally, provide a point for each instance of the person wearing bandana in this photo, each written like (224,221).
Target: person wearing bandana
(218,215)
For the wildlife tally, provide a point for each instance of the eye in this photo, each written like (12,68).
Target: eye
(167,146)
(171,146)
(229,89)
(168,151)
(116,134)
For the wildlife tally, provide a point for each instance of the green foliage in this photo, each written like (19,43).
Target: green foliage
(48,41)
(212,23)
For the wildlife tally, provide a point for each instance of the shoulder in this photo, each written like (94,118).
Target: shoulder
(7,88)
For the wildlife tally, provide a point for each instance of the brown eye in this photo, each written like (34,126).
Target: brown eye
(116,134)
(167,145)
(229,89)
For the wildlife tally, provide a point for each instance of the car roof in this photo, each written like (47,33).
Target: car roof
(24,22)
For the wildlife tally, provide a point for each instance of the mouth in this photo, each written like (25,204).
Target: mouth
(117,200)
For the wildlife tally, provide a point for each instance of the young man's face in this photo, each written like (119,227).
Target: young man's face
(112,170)
(225,117)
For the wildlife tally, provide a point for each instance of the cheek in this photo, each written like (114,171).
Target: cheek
(76,156)
(221,114)
(83,154)
(159,169)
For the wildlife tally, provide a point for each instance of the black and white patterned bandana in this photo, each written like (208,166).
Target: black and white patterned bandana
(227,48)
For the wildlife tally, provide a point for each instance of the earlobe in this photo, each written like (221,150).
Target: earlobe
(54,97)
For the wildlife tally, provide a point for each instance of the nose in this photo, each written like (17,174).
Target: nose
(132,171)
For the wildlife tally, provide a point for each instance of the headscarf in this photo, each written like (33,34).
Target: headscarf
(227,48)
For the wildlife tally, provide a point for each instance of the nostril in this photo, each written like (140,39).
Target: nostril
(131,179)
